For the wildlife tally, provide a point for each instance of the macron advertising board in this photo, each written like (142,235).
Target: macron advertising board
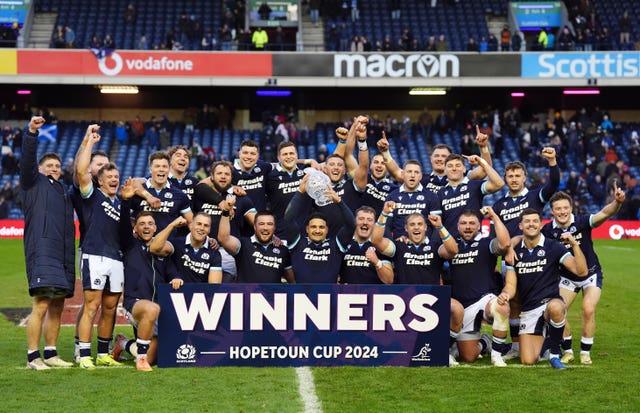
(291,325)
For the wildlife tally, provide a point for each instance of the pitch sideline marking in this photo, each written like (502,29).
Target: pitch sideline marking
(307,390)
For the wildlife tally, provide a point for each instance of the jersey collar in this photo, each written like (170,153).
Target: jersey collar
(539,244)
(187,241)
(571,221)
(419,188)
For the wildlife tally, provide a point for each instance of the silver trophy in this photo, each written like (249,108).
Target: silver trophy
(317,186)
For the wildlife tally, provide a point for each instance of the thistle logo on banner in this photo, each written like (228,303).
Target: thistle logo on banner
(581,65)
(396,65)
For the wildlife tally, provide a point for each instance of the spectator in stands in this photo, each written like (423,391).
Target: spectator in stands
(505,38)
(260,38)
(517,40)
(137,130)
(226,38)
(472,45)
(606,123)
(4,208)
(579,41)
(69,37)
(442,45)
(431,44)
(492,43)
(624,25)
(356,44)
(143,43)
(597,189)
(278,40)
(108,43)
(565,40)
(604,39)
(95,43)
(543,40)
(7,192)
(589,40)
(58,38)
(264,11)
(314,11)
(355,13)
(10,164)
(551,40)
(344,37)
(366,44)
(130,14)
(483,44)
(208,42)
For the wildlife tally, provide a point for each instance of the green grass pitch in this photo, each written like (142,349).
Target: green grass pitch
(610,384)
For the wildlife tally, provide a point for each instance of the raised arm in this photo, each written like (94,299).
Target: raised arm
(361,173)
(230,243)
(495,182)
(554,174)
(482,140)
(81,174)
(382,244)
(611,208)
(29,163)
(502,241)
(392,166)
(160,244)
(576,263)
(449,247)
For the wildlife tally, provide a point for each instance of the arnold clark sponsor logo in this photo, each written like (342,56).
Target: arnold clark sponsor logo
(396,65)
(113,64)
(581,65)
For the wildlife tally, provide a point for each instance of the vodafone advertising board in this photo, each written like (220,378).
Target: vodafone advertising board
(14,228)
(136,63)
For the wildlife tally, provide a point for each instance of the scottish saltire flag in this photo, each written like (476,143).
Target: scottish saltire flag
(48,133)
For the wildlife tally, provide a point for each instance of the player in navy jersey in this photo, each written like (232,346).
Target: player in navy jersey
(210,198)
(509,208)
(283,182)
(362,263)
(101,267)
(460,192)
(418,260)
(535,277)
(369,176)
(474,284)
(438,178)
(144,272)
(194,257)
(258,259)
(410,198)
(580,226)
(316,257)
(250,172)
(519,197)
(97,161)
(160,197)
(179,177)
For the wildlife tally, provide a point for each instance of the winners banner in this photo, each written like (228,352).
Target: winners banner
(206,325)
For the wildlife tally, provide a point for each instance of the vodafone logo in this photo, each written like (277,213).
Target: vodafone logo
(113,64)
(616,231)
(113,59)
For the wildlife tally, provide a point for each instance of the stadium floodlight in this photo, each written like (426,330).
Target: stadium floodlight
(428,91)
(117,89)
(581,91)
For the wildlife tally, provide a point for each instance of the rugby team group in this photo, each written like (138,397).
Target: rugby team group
(251,221)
